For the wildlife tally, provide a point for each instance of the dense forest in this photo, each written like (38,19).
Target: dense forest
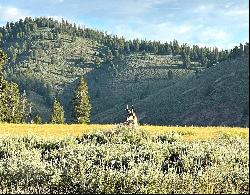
(46,57)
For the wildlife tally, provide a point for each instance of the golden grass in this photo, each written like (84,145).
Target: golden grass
(49,130)
(59,131)
(199,133)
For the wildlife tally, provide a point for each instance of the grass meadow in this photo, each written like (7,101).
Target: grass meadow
(61,130)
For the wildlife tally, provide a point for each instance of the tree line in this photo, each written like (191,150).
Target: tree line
(22,30)
(15,108)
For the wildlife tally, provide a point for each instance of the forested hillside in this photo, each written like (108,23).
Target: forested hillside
(46,57)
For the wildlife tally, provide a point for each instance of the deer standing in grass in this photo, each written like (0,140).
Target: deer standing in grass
(131,117)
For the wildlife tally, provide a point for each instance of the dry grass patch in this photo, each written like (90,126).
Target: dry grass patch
(56,131)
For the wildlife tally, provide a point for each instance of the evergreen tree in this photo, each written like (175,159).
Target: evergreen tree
(109,55)
(186,61)
(3,57)
(127,48)
(10,102)
(57,116)
(176,47)
(38,119)
(81,103)
(23,107)
(246,49)
(136,45)
(241,52)
(205,62)
(168,49)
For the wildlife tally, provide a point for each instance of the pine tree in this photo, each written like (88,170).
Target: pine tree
(9,98)
(176,47)
(9,102)
(109,55)
(3,57)
(127,48)
(57,116)
(136,44)
(23,107)
(186,61)
(185,58)
(81,103)
(246,49)
(38,119)
(241,52)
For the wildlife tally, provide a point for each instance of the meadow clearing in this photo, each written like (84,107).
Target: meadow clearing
(110,159)
(63,130)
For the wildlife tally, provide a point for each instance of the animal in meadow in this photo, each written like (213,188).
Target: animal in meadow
(131,119)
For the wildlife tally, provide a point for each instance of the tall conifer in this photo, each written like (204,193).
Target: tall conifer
(81,103)
(57,116)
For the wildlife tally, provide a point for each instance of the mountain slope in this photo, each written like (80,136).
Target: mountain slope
(46,58)
(217,96)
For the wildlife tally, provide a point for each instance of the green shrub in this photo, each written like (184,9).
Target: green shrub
(123,160)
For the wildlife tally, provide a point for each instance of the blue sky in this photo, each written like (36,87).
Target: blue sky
(221,23)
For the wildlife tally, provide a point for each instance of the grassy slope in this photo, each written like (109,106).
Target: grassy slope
(218,96)
(133,82)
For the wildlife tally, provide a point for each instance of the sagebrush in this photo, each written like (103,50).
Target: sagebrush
(124,160)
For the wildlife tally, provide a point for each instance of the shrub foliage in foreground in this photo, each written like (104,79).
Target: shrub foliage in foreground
(123,161)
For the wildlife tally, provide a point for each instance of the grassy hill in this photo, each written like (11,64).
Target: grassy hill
(217,96)
(46,58)
(136,79)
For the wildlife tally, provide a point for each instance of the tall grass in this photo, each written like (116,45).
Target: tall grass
(60,131)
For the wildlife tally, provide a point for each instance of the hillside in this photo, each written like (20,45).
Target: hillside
(46,57)
(217,96)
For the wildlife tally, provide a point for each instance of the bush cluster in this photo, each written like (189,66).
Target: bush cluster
(123,160)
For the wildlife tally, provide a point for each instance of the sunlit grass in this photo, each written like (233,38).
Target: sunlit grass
(199,133)
(49,130)
(59,131)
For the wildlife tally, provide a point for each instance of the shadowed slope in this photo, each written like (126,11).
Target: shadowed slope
(217,96)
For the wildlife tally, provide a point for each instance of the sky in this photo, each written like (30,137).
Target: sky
(221,23)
